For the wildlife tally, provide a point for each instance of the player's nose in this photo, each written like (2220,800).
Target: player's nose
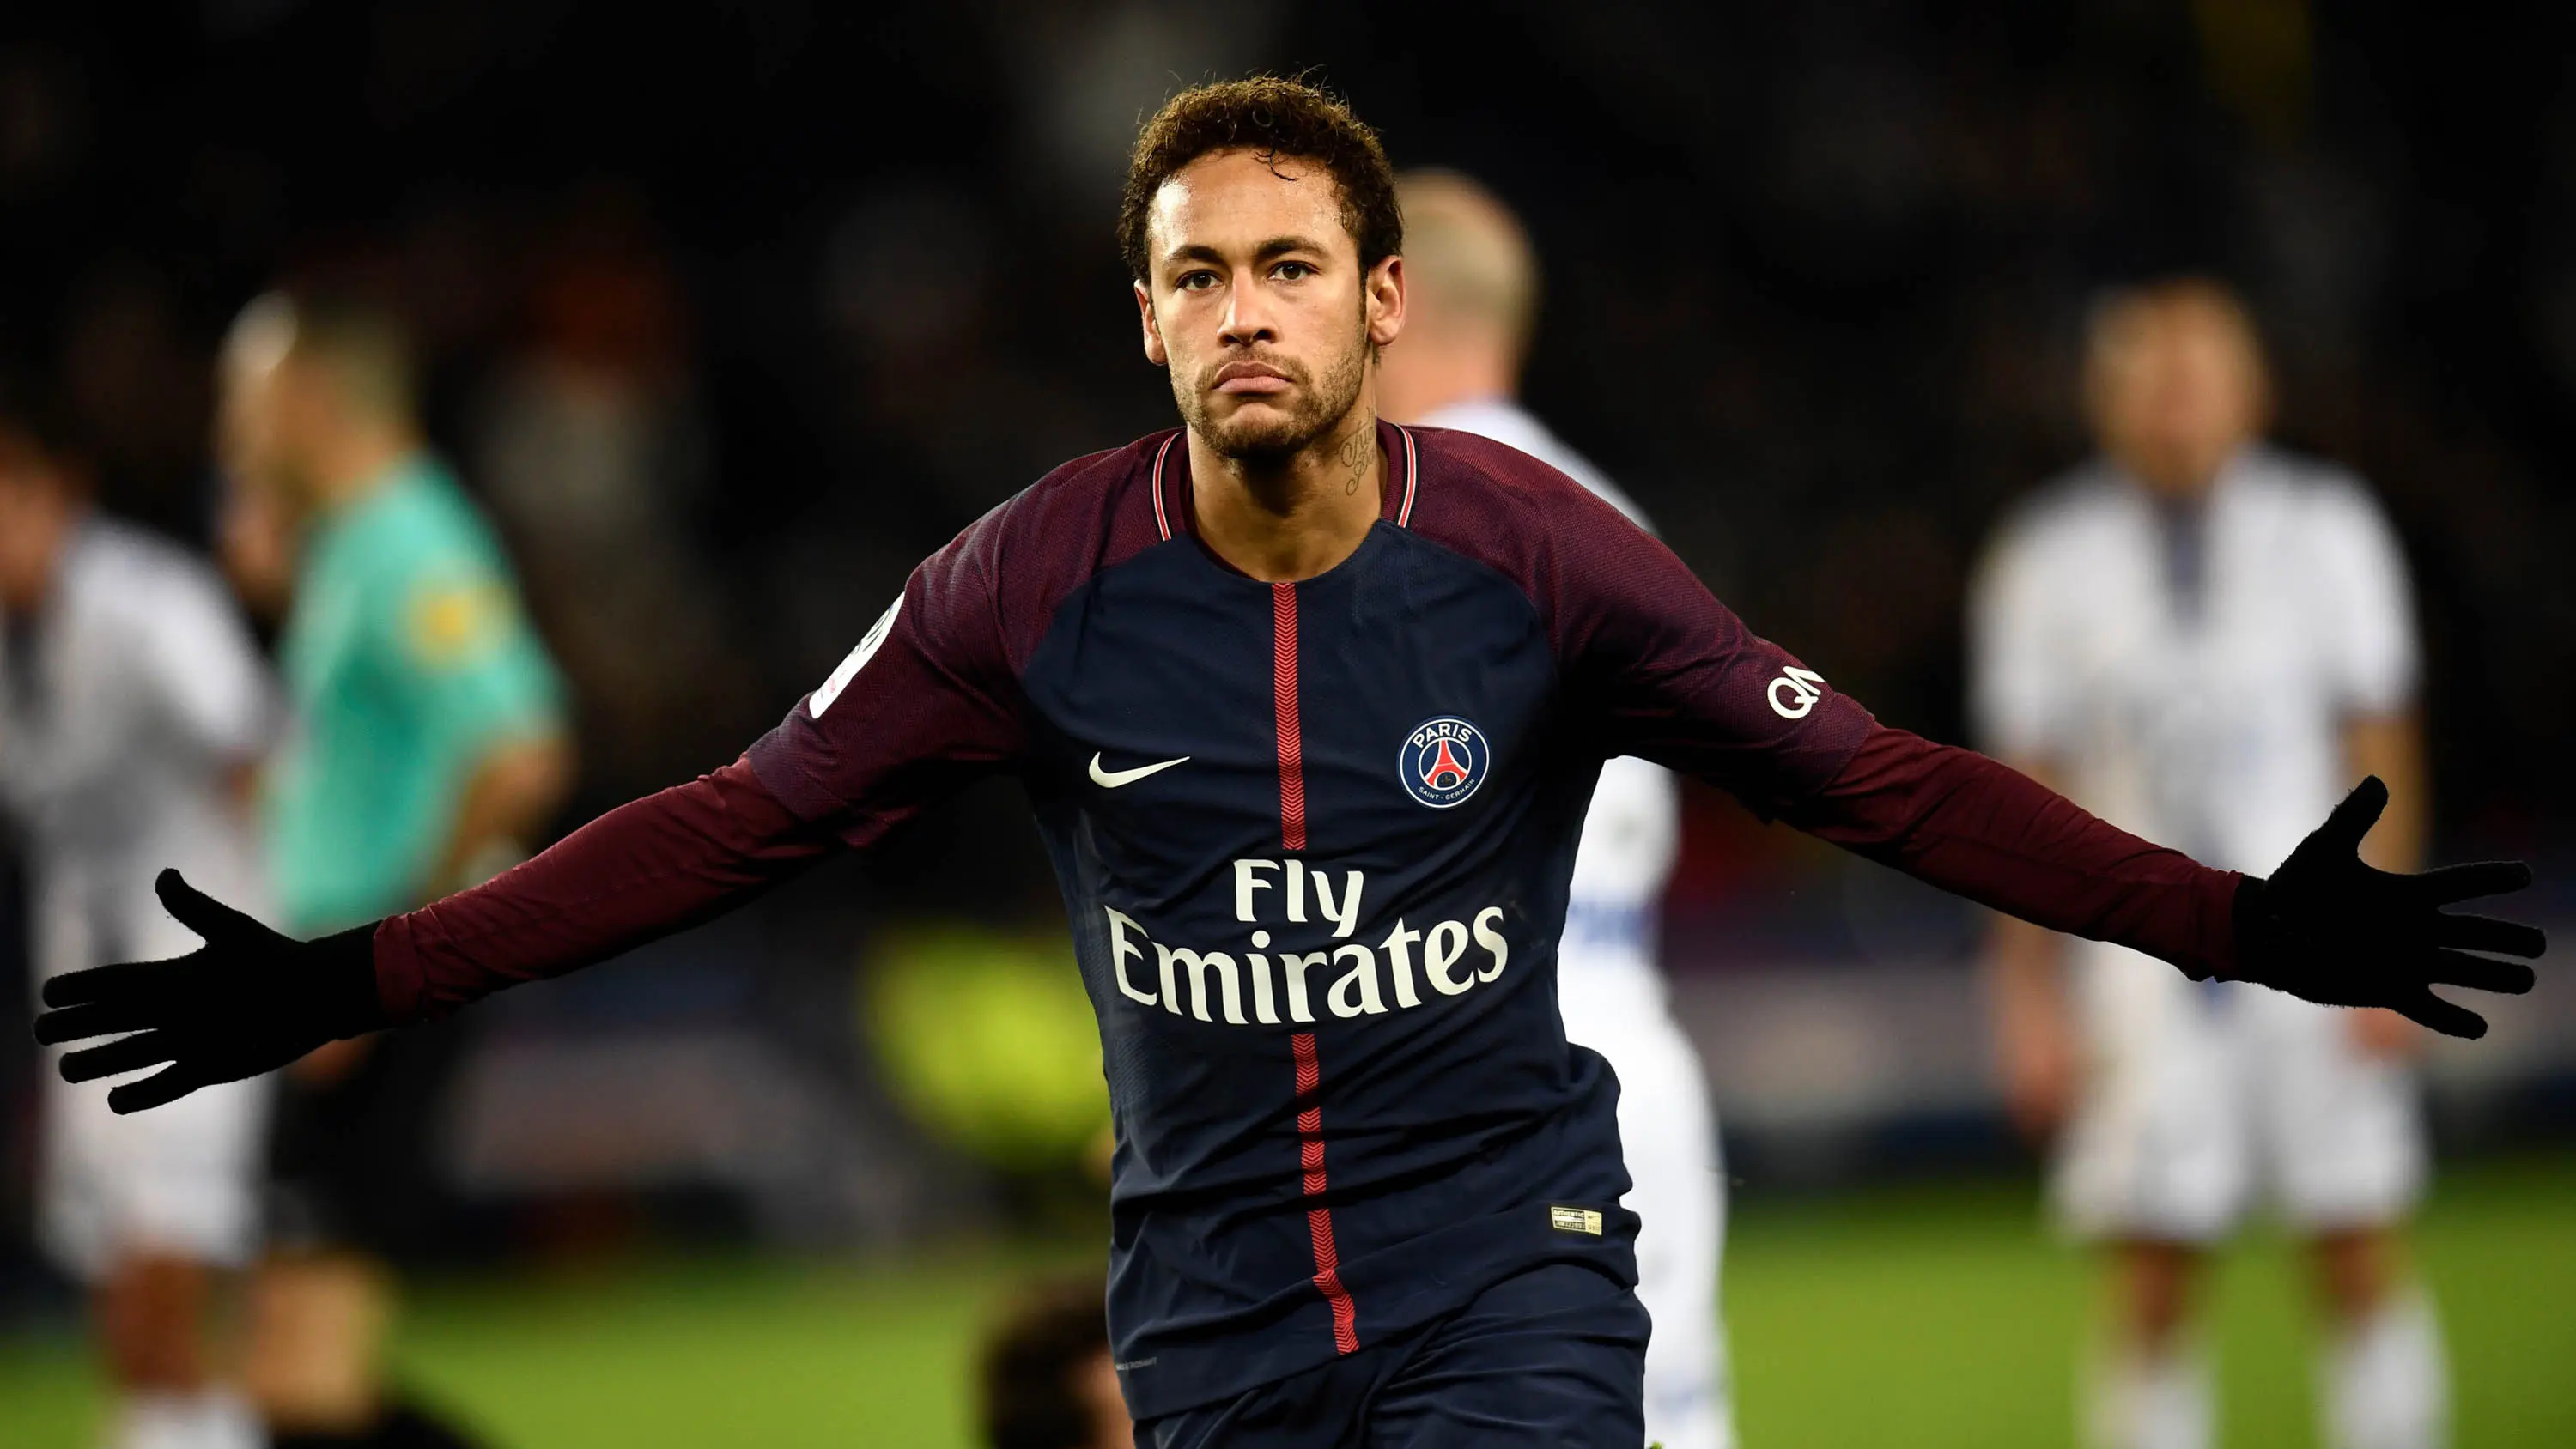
(1248,317)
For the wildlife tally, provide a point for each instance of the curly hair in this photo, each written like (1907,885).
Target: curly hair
(1032,1364)
(1276,119)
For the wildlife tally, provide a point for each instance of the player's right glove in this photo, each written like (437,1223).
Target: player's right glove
(2330,929)
(248,1001)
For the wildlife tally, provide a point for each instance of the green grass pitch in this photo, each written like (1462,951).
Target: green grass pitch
(1926,1317)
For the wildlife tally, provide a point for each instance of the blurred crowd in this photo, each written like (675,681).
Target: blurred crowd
(728,316)
(732,316)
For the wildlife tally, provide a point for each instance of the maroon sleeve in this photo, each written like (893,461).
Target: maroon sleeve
(928,700)
(1659,668)
(641,871)
(917,708)
(931,699)
(1985,831)
(1668,673)
(1651,663)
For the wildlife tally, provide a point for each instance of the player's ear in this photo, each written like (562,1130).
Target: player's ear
(1382,301)
(1154,351)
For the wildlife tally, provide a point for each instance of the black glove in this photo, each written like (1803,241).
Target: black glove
(248,1001)
(2330,929)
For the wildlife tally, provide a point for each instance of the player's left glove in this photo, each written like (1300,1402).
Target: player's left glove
(248,1001)
(2330,929)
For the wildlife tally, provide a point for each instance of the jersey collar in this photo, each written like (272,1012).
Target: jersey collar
(1171,485)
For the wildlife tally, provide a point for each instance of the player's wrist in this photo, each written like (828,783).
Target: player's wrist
(341,982)
(2254,932)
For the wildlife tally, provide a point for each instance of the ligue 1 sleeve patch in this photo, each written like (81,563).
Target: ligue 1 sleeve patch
(1575,1220)
(1443,760)
(451,621)
(868,645)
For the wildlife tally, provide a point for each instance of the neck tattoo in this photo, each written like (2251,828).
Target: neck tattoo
(1354,456)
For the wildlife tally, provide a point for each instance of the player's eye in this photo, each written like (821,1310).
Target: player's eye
(1196,281)
(1292,271)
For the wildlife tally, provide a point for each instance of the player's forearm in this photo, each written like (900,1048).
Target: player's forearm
(642,871)
(1984,831)
(2024,963)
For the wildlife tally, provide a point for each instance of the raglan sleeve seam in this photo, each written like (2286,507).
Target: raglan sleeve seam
(919,702)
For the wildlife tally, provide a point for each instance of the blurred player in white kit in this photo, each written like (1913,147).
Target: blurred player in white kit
(1473,293)
(133,702)
(2204,638)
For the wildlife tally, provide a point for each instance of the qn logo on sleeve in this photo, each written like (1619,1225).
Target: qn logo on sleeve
(1803,686)
(869,643)
(1443,761)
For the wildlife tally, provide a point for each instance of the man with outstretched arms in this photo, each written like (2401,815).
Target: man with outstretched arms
(2207,637)
(1309,706)
(133,705)
(1471,295)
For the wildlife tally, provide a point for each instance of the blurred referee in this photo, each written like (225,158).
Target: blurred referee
(430,746)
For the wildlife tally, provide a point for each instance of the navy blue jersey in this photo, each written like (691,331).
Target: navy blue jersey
(1314,840)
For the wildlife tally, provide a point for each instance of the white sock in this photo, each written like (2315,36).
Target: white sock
(2384,1381)
(212,1419)
(2141,1401)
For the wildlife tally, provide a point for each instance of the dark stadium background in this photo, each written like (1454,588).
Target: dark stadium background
(732,312)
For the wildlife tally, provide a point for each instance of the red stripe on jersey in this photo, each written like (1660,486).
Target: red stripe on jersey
(1319,1220)
(1283,691)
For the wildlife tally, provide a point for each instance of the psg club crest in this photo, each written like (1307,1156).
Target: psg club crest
(1443,761)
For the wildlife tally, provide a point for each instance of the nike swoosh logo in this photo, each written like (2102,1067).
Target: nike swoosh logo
(1112,779)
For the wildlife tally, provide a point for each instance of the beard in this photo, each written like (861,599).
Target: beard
(1268,433)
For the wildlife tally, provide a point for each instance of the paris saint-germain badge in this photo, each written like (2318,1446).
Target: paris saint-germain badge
(1443,761)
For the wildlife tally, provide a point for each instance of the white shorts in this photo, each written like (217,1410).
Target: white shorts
(1669,1136)
(2198,1097)
(182,1179)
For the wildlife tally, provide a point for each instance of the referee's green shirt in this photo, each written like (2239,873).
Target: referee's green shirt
(408,658)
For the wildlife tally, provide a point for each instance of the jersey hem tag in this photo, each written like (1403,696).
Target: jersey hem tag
(1574,1220)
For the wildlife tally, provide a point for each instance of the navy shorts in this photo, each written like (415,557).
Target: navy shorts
(1554,1358)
